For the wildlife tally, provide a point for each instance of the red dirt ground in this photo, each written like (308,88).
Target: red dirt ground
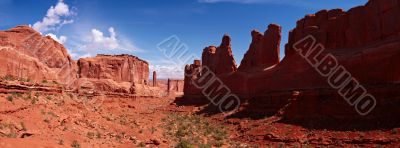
(40,119)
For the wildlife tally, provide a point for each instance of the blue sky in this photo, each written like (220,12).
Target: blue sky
(88,27)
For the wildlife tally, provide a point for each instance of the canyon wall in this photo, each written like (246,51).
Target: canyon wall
(220,59)
(365,40)
(120,68)
(175,85)
(27,55)
(114,73)
(192,72)
(264,49)
(362,25)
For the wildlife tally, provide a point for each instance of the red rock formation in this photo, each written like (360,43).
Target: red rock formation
(365,40)
(154,79)
(359,26)
(220,59)
(27,54)
(264,49)
(126,70)
(192,72)
(175,85)
(120,68)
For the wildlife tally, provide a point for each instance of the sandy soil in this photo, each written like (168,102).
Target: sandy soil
(36,119)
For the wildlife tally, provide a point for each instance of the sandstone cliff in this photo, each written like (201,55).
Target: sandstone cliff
(120,68)
(365,40)
(362,25)
(118,74)
(26,54)
(264,49)
(220,59)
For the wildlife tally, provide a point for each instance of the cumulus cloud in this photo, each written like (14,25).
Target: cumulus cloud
(56,17)
(99,41)
(61,39)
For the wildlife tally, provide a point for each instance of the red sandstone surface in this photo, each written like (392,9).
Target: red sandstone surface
(367,50)
(26,53)
(220,59)
(264,49)
(364,40)
(49,100)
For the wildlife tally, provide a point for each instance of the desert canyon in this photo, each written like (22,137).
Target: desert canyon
(49,99)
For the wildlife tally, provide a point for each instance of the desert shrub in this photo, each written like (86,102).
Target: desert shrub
(10,98)
(142,144)
(75,144)
(98,135)
(16,95)
(46,120)
(52,114)
(194,129)
(34,100)
(44,81)
(61,142)
(205,146)
(9,78)
(24,80)
(28,96)
(184,144)
(55,82)
(153,129)
(90,135)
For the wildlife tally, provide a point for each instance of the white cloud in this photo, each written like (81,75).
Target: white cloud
(99,41)
(61,39)
(84,56)
(75,55)
(168,71)
(56,17)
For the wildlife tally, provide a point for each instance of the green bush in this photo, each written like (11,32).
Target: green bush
(184,144)
(9,78)
(10,98)
(75,144)
(142,144)
(61,142)
(90,135)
